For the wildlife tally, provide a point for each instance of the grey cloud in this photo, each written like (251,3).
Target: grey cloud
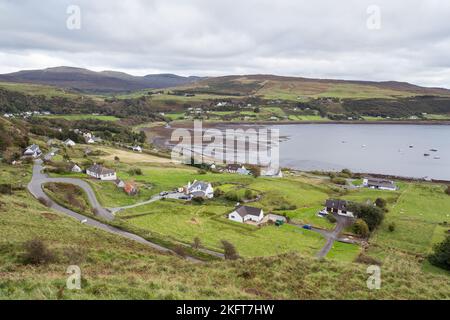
(323,39)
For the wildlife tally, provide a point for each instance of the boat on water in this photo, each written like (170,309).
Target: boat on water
(437,157)
(434,150)
(426,154)
(411,146)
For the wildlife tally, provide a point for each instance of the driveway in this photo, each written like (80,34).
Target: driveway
(332,236)
(35,188)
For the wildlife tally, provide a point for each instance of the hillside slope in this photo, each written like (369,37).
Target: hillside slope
(95,82)
(294,88)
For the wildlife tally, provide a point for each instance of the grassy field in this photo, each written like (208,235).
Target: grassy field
(73,117)
(37,89)
(116,268)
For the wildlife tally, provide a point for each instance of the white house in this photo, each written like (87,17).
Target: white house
(243,214)
(76,169)
(99,172)
(137,148)
(89,140)
(69,143)
(119,183)
(339,207)
(237,168)
(32,151)
(382,184)
(200,189)
(271,172)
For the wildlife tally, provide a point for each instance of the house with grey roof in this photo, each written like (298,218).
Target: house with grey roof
(339,207)
(381,184)
(32,151)
(99,172)
(246,214)
(200,189)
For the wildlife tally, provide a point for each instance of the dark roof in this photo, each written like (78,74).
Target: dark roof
(233,166)
(252,211)
(100,170)
(336,204)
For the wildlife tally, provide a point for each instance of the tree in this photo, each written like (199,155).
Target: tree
(36,252)
(360,228)
(372,215)
(230,251)
(381,203)
(441,255)
(197,243)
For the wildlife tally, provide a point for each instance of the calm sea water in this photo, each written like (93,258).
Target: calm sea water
(383,149)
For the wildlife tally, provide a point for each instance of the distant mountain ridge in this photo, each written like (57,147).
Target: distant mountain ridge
(85,80)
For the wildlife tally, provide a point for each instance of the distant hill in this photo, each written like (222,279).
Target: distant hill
(297,88)
(265,86)
(88,81)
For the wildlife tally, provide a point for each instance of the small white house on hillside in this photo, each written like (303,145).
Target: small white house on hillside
(243,214)
(69,143)
(381,184)
(32,151)
(76,169)
(99,172)
(137,148)
(200,189)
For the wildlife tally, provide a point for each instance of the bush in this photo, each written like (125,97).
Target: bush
(372,215)
(6,188)
(360,228)
(441,255)
(232,196)
(197,243)
(135,172)
(346,173)
(197,200)
(447,191)
(249,194)
(392,226)
(218,193)
(201,171)
(339,181)
(46,202)
(381,203)
(230,251)
(331,218)
(36,252)
(179,250)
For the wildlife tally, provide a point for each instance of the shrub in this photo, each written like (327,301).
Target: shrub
(230,251)
(360,228)
(249,194)
(232,196)
(135,172)
(46,202)
(331,218)
(345,173)
(447,191)
(339,181)
(218,193)
(197,200)
(179,250)
(392,226)
(372,215)
(197,243)
(36,252)
(441,255)
(381,203)
(6,188)
(201,171)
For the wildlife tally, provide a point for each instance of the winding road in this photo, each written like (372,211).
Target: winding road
(35,188)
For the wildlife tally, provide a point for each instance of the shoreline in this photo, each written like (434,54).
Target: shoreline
(389,122)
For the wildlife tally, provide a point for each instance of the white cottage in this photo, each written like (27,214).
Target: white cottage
(32,151)
(200,189)
(69,143)
(99,172)
(76,169)
(243,214)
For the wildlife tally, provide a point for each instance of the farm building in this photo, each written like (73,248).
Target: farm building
(131,188)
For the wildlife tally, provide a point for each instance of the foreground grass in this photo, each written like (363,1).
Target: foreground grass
(116,268)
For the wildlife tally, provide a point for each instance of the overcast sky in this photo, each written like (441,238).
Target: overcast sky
(320,39)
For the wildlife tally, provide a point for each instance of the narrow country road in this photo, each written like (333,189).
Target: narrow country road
(35,188)
(332,236)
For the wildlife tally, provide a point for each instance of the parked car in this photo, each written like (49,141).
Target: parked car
(307,227)
(184,197)
(163,193)
(323,213)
